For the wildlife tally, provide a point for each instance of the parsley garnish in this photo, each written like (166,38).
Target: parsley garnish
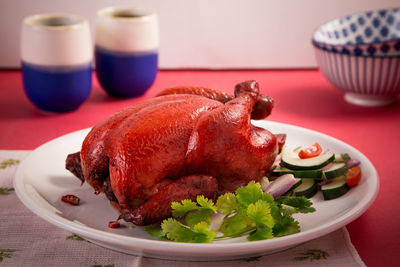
(248,211)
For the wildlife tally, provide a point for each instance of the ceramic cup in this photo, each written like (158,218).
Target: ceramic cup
(56,54)
(126,50)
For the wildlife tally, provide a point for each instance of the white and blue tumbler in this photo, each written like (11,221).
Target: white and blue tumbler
(56,55)
(126,50)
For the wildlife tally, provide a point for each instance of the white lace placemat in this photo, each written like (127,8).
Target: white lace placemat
(28,240)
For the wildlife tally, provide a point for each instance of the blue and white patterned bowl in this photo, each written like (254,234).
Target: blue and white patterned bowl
(360,54)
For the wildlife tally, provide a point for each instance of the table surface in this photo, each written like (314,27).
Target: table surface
(302,97)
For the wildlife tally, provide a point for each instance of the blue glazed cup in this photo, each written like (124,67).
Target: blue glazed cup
(56,55)
(126,50)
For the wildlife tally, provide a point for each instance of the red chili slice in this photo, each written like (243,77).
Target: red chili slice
(71,199)
(114,224)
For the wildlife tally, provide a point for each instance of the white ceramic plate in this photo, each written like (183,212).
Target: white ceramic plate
(41,180)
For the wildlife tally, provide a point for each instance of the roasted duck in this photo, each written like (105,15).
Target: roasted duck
(186,141)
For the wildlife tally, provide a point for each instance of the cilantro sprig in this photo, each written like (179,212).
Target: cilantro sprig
(249,211)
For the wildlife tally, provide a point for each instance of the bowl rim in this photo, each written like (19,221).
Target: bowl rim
(396,9)
(354,55)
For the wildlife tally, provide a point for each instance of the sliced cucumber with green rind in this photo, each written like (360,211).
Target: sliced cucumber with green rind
(291,160)
(335,170)
(343,157)
(307,188)
(278,171)
(337,188)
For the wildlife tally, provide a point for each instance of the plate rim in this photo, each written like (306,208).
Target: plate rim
(200,249)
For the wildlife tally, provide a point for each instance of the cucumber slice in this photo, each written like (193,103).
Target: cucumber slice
(344,157)
(291,160)
(338,187)
(307,188)
(335,170)
(297,183)
(278,171)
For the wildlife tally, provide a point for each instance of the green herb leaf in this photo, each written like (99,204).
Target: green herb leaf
(180,209)
(195,212)
(301,204)
(249,194)
(261,233)
(226,203)
(284,224)
(169,225)
(288,210)
(155,231)
(181,233)
(194,218)
(206,235)
(260,213)
(237,224)
(268,198)
(205,203)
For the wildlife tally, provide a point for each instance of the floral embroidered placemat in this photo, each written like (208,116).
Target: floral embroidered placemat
(28,240)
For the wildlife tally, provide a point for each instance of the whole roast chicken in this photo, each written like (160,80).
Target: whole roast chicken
(185,142)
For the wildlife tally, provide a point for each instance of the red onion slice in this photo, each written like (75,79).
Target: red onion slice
(281,185)
(352,163)
(327,167)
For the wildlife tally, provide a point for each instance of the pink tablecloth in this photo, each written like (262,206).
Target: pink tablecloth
(303,98)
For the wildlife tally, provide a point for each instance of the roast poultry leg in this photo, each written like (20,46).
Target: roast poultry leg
(261,108)
(159,205)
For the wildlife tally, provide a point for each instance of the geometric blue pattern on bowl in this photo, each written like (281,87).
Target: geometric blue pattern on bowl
(371,33)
